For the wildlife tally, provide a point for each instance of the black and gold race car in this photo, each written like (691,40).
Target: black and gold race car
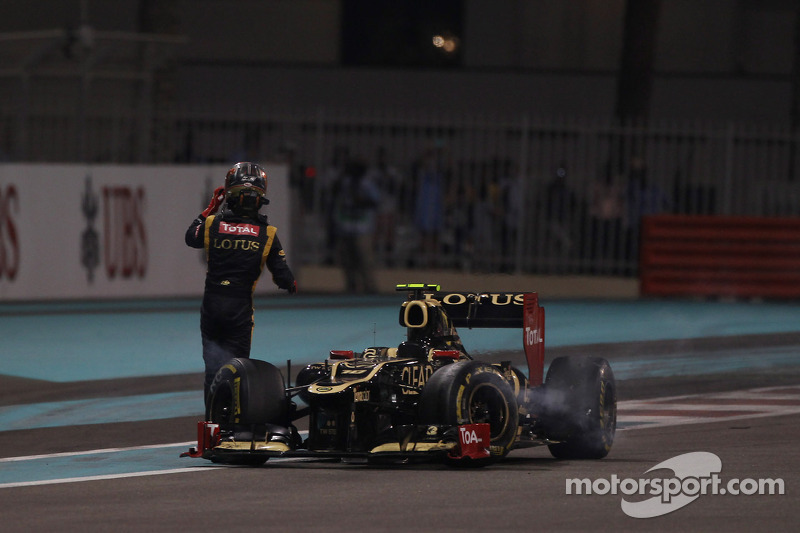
(426,398)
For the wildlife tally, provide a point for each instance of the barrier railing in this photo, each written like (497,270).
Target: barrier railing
(520,194)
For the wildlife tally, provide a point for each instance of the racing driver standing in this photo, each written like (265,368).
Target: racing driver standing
(238,242)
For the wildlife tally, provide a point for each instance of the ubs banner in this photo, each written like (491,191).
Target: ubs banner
(77,231)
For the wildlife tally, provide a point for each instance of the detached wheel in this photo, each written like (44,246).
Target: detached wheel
(580,407)
(471,392)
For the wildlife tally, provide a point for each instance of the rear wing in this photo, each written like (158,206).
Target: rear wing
(495,310)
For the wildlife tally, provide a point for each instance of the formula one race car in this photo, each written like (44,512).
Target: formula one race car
(424,399)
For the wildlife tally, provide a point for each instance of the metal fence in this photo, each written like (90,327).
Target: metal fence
(522,193)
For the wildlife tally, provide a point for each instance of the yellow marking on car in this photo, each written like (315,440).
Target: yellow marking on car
(460,394)
(333,389)
(237,403)
(361,396)
(394,447)
(257,446)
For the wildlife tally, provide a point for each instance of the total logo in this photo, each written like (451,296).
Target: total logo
(238,229)
(9,237)
(532,336)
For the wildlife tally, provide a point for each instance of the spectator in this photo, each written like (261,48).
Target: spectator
(486,218)
(388,181)
(510,192)
(329,179)
(250,150)
(461,217)
(561,210)
(642,198)
(355,201)
(606,212)
(429,205)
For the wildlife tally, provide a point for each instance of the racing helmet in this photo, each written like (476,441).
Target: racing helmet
(246,187)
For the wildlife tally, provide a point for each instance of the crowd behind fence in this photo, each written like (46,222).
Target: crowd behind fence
(473,192)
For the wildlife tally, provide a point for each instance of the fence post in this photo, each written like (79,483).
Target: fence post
(730,141)
(522,176)
(319,162)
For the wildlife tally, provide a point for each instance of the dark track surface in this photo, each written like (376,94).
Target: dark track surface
(524,492)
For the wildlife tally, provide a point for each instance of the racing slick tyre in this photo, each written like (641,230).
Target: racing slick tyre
(248,391)
(580,407)
(471,392)
(247,394)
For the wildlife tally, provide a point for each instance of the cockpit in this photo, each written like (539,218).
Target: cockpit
(428,327)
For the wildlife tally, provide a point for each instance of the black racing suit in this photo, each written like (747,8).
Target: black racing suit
(237,248)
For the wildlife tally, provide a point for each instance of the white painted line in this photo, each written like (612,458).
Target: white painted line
(651,423)
(199,467)
(95,452)
(738,411)
(104,477)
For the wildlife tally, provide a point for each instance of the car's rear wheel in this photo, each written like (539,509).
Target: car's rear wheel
(580,407)
(471,392)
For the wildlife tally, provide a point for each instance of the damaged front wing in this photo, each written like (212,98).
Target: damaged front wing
(472,441)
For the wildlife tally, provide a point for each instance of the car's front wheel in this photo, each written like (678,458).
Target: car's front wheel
(471,392)
(245,396)
(247,391)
